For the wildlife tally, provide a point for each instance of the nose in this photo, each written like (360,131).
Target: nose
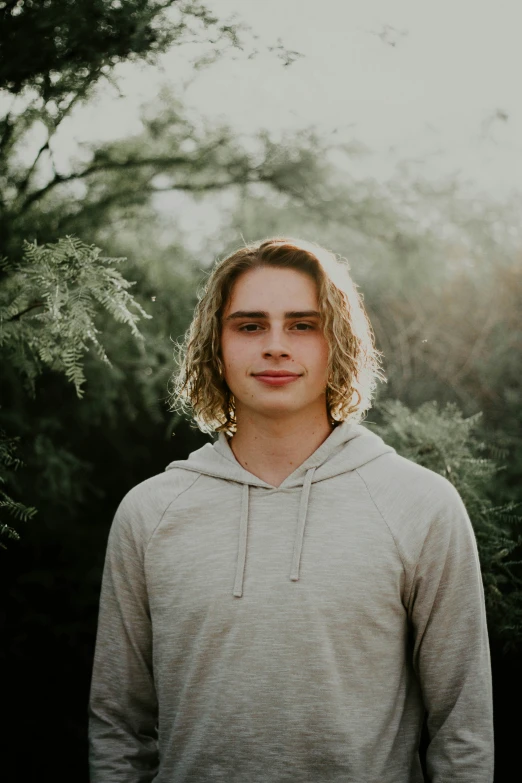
(275,344)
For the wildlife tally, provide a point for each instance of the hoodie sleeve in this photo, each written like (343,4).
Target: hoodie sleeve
(450,646)
(123,706)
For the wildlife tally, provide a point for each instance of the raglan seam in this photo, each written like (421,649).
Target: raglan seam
(383,519)
(415,566)
(169,504)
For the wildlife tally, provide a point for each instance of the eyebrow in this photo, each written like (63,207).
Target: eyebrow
(261,314)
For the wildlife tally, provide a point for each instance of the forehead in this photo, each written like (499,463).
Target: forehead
(273,290)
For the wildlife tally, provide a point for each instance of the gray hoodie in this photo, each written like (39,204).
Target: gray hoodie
(258,634)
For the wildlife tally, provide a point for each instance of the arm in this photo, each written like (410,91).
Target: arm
(451,651)
(123,706)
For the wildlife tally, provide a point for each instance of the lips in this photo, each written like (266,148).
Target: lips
(276,373)
(276,377)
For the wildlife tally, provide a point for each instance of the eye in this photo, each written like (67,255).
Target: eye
(249,328)
(303,327)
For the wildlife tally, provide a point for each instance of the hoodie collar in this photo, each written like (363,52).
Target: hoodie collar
(348,447)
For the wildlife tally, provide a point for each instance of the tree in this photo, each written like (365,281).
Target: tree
(48,306)
(52,56)
(444,441)
(172,153)
(79,42)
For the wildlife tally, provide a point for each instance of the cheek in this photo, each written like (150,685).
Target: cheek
(227,348)
(321,356)
(232,353)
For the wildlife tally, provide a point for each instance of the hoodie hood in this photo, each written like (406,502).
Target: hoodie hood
(348,447)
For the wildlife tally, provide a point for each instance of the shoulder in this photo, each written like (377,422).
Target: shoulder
(392,479)
(413,500)
(142,508)
(158,491)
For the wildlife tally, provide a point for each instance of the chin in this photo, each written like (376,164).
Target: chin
(278,411)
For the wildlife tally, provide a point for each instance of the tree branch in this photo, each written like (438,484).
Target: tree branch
(23,312)
(7,131)
(124,198)
(30,171)
(95,168)
(194,187)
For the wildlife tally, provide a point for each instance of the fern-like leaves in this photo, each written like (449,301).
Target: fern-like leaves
(443,440)
(48,307)
(8,506)
(49,302)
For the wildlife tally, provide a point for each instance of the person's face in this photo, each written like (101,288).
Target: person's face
(273,348)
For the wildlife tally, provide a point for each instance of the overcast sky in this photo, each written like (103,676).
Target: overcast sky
(434,83)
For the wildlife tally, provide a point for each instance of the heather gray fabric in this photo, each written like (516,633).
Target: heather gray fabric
(254,634)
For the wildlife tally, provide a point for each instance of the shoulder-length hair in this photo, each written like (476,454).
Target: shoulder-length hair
(199,386)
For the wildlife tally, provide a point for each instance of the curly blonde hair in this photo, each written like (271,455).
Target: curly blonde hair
(199,386)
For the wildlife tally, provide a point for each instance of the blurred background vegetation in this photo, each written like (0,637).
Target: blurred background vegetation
(96,284)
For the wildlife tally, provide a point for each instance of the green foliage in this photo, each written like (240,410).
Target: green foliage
(20,512)
(48,307)
(80,40)
(444,441)
(119,181)
(49,304)
(58,296)
(52,57)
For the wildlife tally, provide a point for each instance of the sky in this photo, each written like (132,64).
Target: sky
(437,83)
(434,85)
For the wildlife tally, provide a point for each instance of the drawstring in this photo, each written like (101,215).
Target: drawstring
(299,536)
(241,554)
(301,521)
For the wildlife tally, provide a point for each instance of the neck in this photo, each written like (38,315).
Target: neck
(273,449)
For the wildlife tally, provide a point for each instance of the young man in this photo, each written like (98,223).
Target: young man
(289,603)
